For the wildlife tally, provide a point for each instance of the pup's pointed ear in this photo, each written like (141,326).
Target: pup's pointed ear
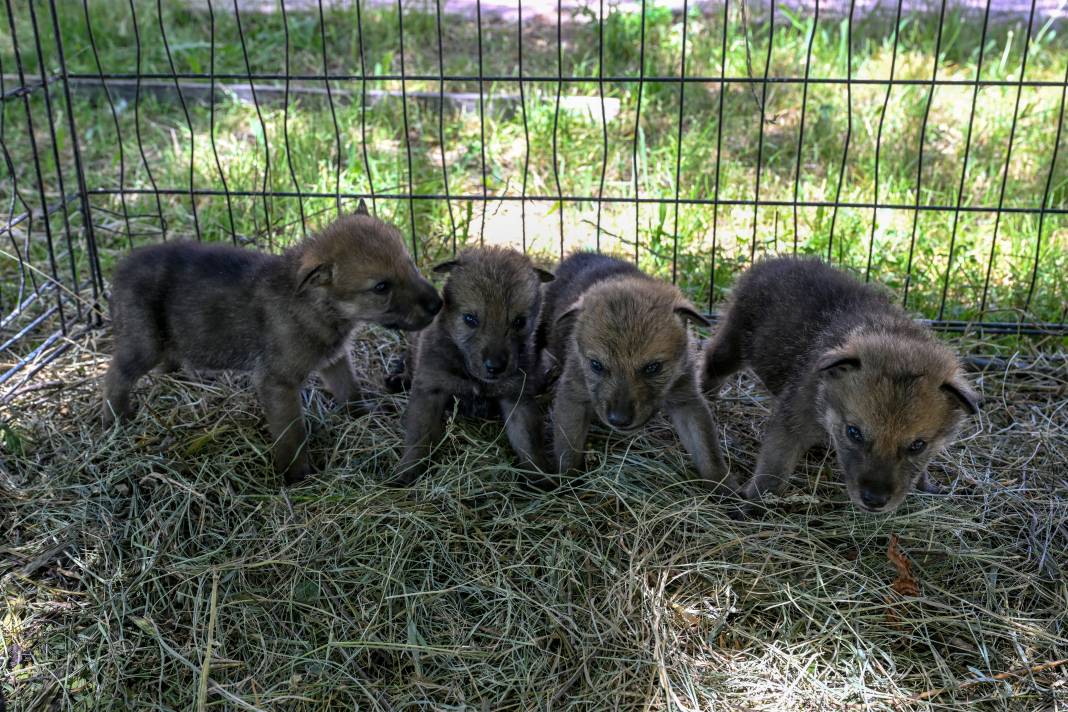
(361,208)
(317,274)
(688,313)
(963,394)
(837,363)
(544,275)
(446,266)
(570,314)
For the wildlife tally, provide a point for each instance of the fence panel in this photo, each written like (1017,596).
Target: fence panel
(916,146)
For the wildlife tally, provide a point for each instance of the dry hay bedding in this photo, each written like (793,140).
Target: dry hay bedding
(130,555)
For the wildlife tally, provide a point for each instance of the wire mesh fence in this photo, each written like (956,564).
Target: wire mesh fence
(917,145)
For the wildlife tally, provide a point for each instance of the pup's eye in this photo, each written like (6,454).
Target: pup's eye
(596,366)
(917,446)
(854,434)
(519,323)
(471,320)
(652,368)
(381,288)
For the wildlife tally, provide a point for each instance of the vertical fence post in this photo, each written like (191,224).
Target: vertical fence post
(849,127)
(114,118)
(285,125)
(211,126)
(137,121)
(804,106)
(188,118)
(919,152)
(267,227)
(1008,161)
(1045,194)
(481,125)
(407,131)
(556,116)
(330,100)
(526,127)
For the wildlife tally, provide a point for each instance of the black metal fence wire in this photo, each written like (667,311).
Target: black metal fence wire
(56,219)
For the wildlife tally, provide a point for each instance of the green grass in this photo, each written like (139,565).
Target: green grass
(244,143)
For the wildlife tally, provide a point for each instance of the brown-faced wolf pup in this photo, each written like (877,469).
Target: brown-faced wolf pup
(843,362)
(621,340)
(479,347)
(280,316)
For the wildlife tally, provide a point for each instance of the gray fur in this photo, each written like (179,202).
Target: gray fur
(279,316)
(837,353)
(500,288)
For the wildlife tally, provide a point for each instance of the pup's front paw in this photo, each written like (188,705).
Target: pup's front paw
(541,482)
(752,491)
(406,476)
(741,510)
(110,416)
(754,497)
(107,417)
(929,486)
(298,472)
(723,486)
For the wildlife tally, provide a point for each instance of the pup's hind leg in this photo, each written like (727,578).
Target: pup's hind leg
(132,359)
(723,357)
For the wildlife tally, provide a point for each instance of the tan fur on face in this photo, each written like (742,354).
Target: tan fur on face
(622,339)
(836,352)
(496,286)
(627,324)
(895,397)
(353,254)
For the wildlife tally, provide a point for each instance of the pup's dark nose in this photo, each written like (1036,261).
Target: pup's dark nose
(873,498)
(495,364)
(432,304)
(619,417)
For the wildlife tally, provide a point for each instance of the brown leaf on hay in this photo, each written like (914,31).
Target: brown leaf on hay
(905,583)
(686,616)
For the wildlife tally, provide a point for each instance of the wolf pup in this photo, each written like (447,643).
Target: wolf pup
(843,362)
(621,340)
(280,316)
(479,347)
